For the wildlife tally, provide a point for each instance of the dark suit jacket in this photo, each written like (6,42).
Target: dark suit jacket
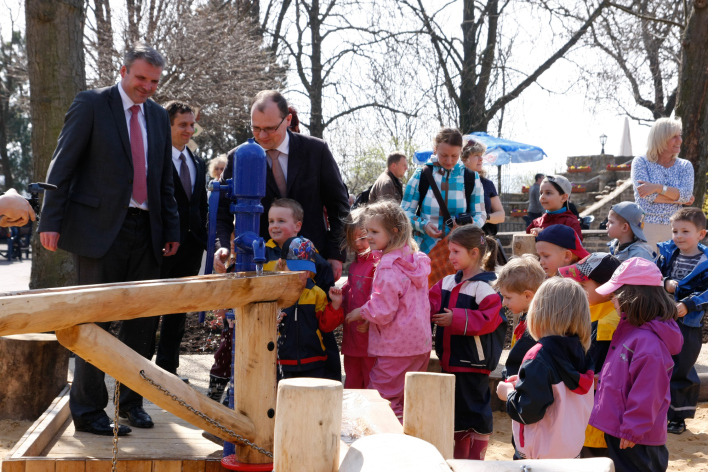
(314,181)
(192,213)
(92,168)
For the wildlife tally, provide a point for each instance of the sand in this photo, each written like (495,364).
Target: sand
(688,452)
(10,432)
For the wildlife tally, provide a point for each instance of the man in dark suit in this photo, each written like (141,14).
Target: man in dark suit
(189,176)
(302,168)
(114,208)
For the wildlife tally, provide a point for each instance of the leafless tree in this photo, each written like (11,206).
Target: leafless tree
(642,41)
(217,64)
(467,64)
(325,42)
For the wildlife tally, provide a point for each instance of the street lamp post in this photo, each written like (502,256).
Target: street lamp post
(603,140)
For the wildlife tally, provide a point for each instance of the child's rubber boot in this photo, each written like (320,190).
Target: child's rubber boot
(478,446)
(676,427)
(462,444)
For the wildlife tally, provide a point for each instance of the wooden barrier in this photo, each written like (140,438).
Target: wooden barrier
(104,351)
(38,311)
(429,410)
(307,426)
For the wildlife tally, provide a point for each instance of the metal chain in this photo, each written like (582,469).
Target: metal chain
(209,420)
(116,402)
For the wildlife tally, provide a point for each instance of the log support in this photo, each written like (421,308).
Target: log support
(429,410)
(307,426)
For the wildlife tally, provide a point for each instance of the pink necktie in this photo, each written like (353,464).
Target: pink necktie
(278,171)
(138,151)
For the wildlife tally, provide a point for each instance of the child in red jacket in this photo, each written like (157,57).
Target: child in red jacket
(555,194)
(356,292)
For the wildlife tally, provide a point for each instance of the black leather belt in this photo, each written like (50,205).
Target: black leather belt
(132,211)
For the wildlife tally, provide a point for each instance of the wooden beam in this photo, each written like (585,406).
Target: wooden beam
(43,430)
(104,351)
(38,311)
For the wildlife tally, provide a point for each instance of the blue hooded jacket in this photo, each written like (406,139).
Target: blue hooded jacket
(692,291)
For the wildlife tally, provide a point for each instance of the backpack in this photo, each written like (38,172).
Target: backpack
(362,198)
(424,185)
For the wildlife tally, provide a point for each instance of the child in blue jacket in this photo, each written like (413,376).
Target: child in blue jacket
(684,265)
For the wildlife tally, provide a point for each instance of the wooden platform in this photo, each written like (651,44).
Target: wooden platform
(52,444)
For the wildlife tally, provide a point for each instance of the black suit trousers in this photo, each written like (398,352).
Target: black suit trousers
(185,263)
(131,257)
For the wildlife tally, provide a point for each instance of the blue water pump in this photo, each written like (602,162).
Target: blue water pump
(245,190)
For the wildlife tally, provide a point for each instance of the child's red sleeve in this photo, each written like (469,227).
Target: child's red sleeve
(484,320)
(435,297)
(329,318)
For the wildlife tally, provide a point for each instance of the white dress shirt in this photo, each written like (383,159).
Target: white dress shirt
(190,164)
(127,103)
(284,149)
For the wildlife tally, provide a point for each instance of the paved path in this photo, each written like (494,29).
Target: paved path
(14,275)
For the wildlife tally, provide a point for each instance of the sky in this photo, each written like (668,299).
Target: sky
(563,124)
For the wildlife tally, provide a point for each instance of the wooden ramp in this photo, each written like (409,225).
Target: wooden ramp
(52,444)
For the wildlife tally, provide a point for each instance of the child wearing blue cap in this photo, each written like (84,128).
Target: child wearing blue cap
(301,352)
(558,246)
(625,224)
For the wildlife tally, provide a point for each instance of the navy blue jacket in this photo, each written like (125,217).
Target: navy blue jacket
(474,341)
(692,291)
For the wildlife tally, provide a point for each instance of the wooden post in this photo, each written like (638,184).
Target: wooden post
(523,244)
(308,425)
(39,311)
(429,410)
(255,381)
(104,351)
(33,369)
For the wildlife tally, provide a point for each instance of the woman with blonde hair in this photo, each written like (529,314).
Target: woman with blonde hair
(217,166)
(663,182)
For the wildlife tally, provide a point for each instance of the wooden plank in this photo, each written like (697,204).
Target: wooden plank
(214,466)
(166,466)
(133,466)
(70,465)
(52,310)
(193,466)
(104,351)
(40,465)
(43,430)
(93,465)
(13,465)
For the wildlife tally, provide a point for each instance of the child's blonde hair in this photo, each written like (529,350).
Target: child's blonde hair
(353,222)
(560,307)
(471,237)
(521,274)
(394,221)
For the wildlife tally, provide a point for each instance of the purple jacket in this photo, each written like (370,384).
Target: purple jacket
(633,391)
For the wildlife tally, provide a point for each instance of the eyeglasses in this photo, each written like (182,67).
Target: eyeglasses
(219,169)
(270,130)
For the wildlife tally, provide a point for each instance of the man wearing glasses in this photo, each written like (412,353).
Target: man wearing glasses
(302,168)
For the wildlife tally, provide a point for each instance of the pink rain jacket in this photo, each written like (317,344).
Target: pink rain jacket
(399,310)
(357,291)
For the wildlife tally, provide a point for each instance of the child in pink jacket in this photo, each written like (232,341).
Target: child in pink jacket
(357,291)
(399,311)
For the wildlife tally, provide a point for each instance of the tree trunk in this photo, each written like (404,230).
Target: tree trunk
(692,105)
(316,118)
(55,55)
(34,370)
